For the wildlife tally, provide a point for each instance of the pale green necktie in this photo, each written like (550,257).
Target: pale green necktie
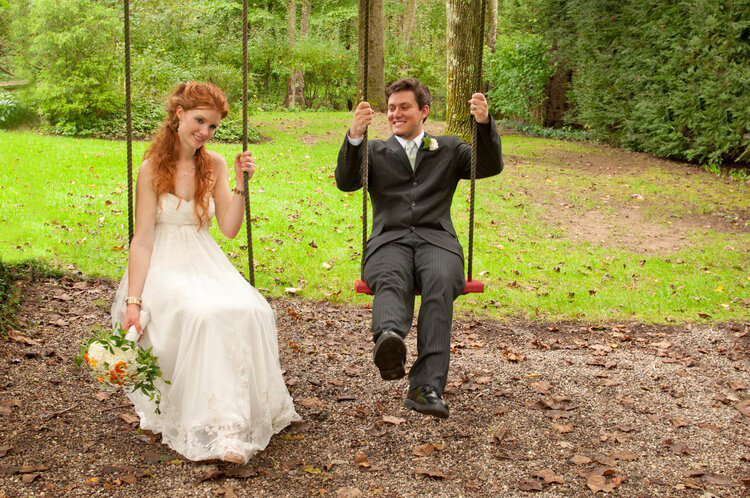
(411,152)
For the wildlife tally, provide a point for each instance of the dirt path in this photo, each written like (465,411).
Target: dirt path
(614,198)
(639,410)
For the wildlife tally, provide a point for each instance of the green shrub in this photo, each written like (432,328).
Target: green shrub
(534,130)
(517,72)
(231,131)
(669,77)
(13,112)
(70,57)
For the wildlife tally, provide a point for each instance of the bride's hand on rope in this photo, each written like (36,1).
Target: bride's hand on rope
(478,108)
(362,119)
(133,318)
(244,162)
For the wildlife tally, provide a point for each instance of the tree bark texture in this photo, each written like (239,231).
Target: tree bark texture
(410,17)
(295,88)
(304,25)
(464,41)
(376,57)
(492,25)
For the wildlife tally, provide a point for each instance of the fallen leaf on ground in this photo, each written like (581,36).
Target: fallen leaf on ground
(563,428)
(499,435)
(311,403)
(513,356)
(129,418)
(360,458)
(624,455)
(599,483)
(530,485)
(17,336)
(676,447)
(501,410)
(423,450)
(435,474)
(29,478)
(580,460)
(299,426)
(549,477)
(4,450)
(679,422)
(541,387)
(328,466)
(348,493)
(744,407)
(393,420)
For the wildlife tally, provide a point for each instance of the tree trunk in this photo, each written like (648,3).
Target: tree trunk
(492,25)
(464,42)
(296,85)
(410,17)
(376,57)
(555,104)
(304,26)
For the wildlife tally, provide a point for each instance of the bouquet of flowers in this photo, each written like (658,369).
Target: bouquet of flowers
(116,361)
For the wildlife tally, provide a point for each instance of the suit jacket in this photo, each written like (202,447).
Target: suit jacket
(418,201)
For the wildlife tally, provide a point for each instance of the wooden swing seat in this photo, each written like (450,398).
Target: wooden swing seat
(472,286)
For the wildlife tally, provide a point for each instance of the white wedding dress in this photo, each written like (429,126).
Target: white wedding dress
(215,337)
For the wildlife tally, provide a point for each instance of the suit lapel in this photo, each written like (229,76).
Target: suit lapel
(396,148)
(421,153)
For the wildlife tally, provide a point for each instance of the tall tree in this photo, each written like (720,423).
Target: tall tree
(491,24)
(410,17)
(304,25)
(376,56)
(464,42)
(295,87)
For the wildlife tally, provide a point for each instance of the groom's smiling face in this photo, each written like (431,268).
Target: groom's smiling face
(404,115)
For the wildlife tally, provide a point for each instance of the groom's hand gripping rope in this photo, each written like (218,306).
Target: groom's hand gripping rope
(362,119)
(478,108)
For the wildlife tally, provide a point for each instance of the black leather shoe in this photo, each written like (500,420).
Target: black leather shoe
(389,355)
(424,399)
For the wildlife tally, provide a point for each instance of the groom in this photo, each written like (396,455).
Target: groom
(413,245)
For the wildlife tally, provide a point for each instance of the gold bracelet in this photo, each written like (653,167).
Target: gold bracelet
(134,300)
(238,191)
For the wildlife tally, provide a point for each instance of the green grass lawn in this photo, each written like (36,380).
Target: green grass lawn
(64,201)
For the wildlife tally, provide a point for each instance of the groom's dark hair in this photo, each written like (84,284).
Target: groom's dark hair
(421,92)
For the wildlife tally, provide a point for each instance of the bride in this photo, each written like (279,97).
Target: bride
(214,334)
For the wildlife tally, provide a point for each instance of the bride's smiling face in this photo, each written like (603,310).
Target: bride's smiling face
(197,126)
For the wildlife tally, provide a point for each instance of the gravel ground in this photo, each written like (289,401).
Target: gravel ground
(555,409)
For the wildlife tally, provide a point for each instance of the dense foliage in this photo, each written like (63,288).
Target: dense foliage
(667,77)
(72,52)
(670,77)
(518,70)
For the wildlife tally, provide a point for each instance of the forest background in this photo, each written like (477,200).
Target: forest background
(671,78)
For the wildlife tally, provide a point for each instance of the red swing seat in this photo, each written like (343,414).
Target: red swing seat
(472,286)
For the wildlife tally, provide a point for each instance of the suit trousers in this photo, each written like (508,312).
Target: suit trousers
(393,273)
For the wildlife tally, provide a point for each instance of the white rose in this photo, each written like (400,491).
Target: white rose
(433,144)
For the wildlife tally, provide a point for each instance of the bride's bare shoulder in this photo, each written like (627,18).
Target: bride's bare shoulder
(146,169)
(217,159)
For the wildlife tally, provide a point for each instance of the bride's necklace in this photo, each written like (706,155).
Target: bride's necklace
(188,171)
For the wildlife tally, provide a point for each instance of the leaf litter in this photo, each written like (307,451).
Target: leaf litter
(624,437)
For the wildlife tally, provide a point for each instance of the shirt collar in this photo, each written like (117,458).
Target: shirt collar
(417,140)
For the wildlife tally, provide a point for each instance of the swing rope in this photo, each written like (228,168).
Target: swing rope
(129,130)
(474,139)
(128,121)
(245,177)
(365,167)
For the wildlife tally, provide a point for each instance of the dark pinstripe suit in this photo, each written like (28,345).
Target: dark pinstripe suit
(413,242)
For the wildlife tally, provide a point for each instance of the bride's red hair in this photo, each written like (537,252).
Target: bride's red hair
(165,149)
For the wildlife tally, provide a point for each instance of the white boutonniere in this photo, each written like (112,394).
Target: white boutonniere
(429,143)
